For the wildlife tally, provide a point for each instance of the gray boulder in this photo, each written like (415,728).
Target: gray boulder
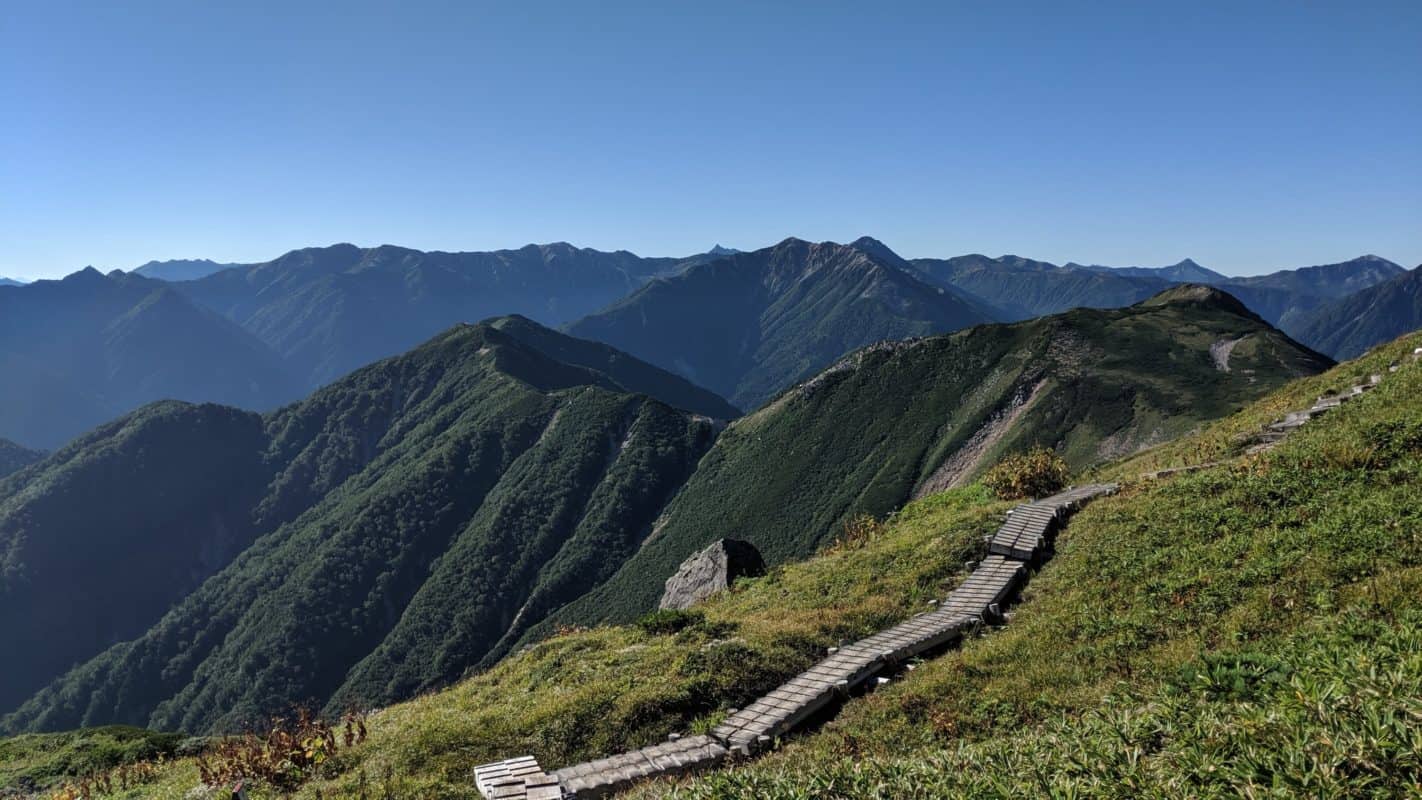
(710,571)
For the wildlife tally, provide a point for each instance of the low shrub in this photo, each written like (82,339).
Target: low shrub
(669,620)
(1036,473)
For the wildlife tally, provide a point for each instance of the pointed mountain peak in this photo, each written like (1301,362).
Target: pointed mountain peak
(89,274)
(718,250)
(879,250)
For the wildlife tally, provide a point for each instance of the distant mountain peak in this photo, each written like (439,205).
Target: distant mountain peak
(718,250)
(879,250)
(89,274)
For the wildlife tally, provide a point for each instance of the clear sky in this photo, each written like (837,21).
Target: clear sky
(1249,136)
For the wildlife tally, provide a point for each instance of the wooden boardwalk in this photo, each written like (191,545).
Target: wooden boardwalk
(1022,540)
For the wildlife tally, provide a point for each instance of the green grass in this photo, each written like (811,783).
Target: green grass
(39,761)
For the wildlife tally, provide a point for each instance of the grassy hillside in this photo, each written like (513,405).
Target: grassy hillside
(36,762)
(1251,629)
(894,421)
(377,539)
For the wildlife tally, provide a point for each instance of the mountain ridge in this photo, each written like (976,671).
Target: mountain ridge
(441,490)
(1349,326)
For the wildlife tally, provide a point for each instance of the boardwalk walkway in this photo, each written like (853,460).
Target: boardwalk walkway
(1022,540)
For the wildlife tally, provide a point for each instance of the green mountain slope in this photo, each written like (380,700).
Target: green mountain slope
(1249,630)
(82,350)
(898,420)
(1376,314)
(405,523)
(750,324)
(14,457)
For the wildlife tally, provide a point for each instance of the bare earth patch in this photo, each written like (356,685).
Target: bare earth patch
(1219,352)
(967,458)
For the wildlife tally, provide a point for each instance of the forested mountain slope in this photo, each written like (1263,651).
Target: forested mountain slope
(899,420)
(374,540)
(630,373)
(14,457)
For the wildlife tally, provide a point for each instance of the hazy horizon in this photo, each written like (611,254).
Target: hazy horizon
(694,251)
(1248,137)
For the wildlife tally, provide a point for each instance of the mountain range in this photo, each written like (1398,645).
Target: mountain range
(747,325)
(329,310)
(1021,288)
(197,567)
(181,269)
(78,352)
(743,324)
(82,350)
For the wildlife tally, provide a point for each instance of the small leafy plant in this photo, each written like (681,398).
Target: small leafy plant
(288,754)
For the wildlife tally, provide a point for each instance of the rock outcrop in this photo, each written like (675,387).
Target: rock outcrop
(710,571)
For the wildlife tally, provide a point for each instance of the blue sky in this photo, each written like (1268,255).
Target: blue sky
(1249,136)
